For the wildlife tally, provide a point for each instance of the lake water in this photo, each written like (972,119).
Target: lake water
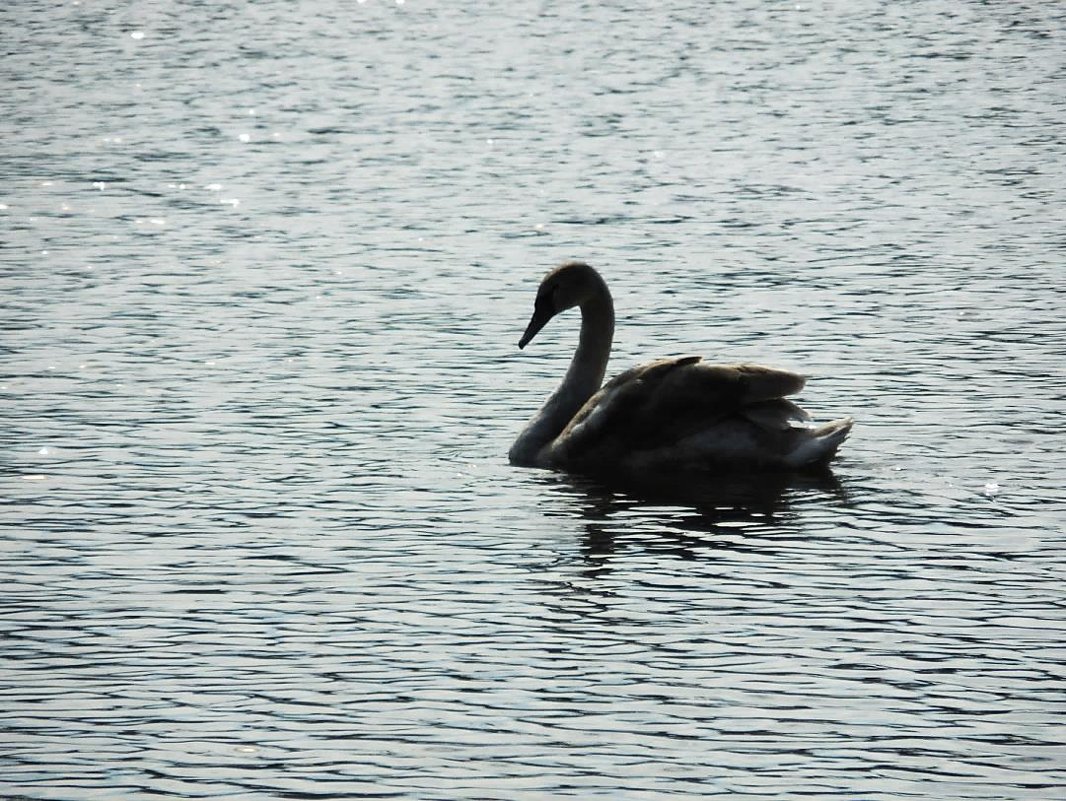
(264,268)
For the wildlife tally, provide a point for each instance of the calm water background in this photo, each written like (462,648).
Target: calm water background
(264,266)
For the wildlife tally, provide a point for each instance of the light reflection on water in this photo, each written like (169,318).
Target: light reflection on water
(259,374)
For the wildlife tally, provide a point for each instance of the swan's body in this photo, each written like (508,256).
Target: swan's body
(671,414)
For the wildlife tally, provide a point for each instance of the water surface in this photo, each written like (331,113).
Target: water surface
(263,270)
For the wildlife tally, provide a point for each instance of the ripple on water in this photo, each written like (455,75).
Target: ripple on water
(259,381)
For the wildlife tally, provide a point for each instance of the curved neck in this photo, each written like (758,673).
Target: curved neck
(582,379)
(589,364)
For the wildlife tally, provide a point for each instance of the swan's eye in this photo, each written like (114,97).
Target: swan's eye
(546,298)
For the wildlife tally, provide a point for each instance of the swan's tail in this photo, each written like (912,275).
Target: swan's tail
(820,444)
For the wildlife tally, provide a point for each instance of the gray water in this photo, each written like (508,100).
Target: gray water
(264,267)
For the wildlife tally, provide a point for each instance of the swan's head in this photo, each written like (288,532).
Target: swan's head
(568,285)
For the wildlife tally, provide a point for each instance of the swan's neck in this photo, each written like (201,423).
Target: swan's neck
(582,379)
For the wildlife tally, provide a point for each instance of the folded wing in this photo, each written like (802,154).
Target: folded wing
(661,404)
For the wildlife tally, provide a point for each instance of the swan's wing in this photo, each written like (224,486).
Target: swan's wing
(777,415)
(691,382)
(660,402)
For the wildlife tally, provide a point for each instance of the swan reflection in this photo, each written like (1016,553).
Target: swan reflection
(688,516)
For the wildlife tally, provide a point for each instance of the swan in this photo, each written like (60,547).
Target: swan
(674,414)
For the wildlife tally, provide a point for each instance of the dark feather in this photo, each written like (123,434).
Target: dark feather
(659,403)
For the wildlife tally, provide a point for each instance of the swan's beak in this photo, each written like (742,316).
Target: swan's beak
(540,318)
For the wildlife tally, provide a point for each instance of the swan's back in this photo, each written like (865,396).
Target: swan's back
(684,413)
